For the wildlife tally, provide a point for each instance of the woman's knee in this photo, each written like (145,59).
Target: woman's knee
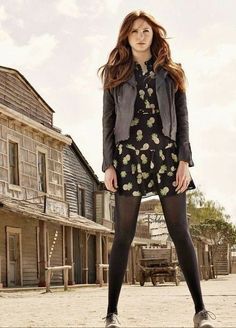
(179,233)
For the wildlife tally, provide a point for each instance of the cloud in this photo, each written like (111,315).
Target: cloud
(3,15)
(112,6)
(31,55)
(69,8)
(85,79)
(92,10)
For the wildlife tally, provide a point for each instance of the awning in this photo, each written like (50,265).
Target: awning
(35,211)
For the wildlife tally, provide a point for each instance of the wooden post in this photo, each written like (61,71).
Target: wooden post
(48,280)
(98,256)
(85,257)
(1,285)
(66,279)
(42,252)
(70,256)
(106,258)
(132,269)
(48,271)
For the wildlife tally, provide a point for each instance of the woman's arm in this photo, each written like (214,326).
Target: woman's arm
(108,123)
(182,137)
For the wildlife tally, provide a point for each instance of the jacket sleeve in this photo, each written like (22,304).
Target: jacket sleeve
(182,137)
(108,123)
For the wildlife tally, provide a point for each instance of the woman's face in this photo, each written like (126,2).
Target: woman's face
(140,36)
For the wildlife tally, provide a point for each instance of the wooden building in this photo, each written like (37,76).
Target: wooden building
(83,193)
(37,224)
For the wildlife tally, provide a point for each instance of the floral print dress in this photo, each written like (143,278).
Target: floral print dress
(147,162)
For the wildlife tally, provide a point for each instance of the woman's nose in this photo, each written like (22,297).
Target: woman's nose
(141,36)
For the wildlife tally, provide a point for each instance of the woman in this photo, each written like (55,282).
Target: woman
(146,149)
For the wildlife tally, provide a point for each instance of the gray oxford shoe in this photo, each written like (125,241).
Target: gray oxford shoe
(202,319)
(112,320)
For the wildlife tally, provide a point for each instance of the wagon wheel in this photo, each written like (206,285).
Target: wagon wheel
(154,280)
(142,278)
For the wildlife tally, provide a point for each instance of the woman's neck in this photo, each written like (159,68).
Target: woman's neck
(142,58)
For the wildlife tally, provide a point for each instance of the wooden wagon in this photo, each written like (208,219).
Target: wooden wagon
(159,264)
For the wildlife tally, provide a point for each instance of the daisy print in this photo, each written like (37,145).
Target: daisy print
(123,174)
(136,193)
(174,156)
(145,146)
(150,91)
(163,168)
(128,186)
(144,159)
(133,168)
(161,154)
(164,191)
(139,178)
(141,94)
(150,122)
(139,135)
(147,104)
(135,121)
(155,138)
(126,159)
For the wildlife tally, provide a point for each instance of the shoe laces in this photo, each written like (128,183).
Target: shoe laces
(110,315)
(205,314)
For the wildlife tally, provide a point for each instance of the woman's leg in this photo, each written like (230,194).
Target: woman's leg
(174,209)
(126,213)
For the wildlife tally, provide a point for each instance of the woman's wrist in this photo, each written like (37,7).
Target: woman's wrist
(186,163)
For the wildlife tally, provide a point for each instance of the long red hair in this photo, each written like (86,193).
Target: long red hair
(119,66)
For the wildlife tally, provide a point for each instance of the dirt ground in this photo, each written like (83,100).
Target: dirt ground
(148,306)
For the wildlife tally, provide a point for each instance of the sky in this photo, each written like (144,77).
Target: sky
(59,45)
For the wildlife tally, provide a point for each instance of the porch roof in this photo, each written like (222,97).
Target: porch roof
(35,211)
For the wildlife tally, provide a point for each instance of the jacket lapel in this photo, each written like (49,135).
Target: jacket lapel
(160,76)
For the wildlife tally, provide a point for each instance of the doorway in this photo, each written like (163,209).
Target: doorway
(14,257)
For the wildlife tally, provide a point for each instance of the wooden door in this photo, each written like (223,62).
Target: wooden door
(14,256)
(77,255)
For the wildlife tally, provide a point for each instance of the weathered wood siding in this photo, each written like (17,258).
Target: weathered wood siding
(17,95)
(29,248)
(99,206)
(28,142)
(76,173)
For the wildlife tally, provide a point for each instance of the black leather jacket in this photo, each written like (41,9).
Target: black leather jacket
(118,112)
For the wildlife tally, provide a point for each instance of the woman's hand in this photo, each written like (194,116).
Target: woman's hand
(182,177)
(111,179)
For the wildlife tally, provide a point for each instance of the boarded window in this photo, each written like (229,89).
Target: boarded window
(42,172)
(81,200)
(13,163)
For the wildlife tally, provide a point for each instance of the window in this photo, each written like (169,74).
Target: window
(112,213)
(13,163)
(81,200)
(41,172)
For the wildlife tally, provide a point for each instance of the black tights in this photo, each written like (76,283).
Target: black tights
(126,213)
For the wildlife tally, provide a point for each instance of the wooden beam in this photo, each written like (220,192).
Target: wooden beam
(98,255)
(70,256)
(43,253)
